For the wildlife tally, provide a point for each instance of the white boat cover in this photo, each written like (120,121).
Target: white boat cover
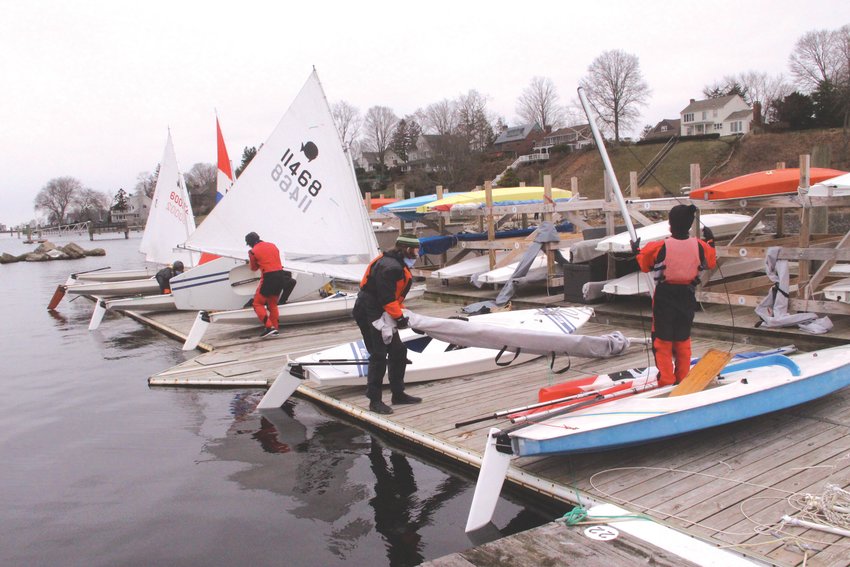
(470,333)
(773,309)
(170,221)
(300,193)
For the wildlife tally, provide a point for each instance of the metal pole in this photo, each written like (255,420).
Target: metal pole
(609,170)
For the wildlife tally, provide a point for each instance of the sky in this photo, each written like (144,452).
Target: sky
(89,88)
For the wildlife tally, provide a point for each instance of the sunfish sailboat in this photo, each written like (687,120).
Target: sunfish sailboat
(299,192)
(169,224)
(165,302)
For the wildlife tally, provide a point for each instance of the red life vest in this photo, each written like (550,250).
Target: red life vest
(682,262)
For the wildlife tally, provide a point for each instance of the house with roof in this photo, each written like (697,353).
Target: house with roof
(664,130)
(576,137)
(369,161)
(724,115)
(138,209)
(518,140)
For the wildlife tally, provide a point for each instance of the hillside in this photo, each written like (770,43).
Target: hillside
(719,159)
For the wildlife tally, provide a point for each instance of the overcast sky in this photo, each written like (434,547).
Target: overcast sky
(89,88)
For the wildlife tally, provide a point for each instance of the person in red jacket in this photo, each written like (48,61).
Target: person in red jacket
(676,263)
(382,290)
(265,256)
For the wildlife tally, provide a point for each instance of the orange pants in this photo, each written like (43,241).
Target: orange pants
(268,318)
(665,354)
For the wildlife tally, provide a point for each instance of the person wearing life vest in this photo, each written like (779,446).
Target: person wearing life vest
(676,263)
(163,277)
(265,256)
(382,290)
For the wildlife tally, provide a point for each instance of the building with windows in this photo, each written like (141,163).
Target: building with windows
(664,130)
(724,115)
(518,140)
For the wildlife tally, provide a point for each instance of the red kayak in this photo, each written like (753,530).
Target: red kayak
(771,182)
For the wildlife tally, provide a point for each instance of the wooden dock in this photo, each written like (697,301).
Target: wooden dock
(729,486)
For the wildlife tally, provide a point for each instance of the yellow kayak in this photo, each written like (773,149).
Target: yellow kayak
(501,196)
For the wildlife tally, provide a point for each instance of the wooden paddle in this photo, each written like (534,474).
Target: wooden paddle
(704,371)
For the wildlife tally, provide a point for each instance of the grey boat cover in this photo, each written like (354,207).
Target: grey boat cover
(470,333)
(545,233)
(773,309)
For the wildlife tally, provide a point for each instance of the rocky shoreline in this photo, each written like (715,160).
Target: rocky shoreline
(47,251)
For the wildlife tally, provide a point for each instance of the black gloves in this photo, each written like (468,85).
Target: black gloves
(402,322)
(635,245)
(707,235)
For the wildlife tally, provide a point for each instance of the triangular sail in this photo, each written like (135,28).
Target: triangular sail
(300,193)
(170,221)
(224,177)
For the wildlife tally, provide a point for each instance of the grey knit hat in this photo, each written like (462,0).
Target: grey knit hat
(408,240)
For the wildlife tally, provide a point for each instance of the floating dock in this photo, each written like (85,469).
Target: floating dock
(727,487)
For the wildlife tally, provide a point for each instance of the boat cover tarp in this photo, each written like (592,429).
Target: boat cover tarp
(469,333)
(545,233)
(440,244)
(773,309)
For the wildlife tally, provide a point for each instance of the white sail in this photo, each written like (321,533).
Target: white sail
(300,193)
(170,221)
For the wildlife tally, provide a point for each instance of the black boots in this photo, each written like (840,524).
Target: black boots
(405,399)
(380,407)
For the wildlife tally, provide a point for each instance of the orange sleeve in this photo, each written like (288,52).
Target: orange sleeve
(647,255)
(710,254)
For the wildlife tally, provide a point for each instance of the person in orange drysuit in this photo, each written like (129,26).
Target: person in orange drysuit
(265,256)
(383,289)
(676,263)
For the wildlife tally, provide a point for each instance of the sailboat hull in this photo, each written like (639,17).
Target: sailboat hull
(228,283)
(747,389)
(115,289)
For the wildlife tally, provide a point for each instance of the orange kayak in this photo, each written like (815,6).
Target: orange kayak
(771,182)
(378,202)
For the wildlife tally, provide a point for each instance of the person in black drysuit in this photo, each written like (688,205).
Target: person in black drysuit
(163,277)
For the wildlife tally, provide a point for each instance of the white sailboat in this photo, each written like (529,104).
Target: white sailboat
(299,192)
(169,223)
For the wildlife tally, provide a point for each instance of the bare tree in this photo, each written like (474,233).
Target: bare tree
(57,196)
(440,118)
(539,103)
(91,205)
(764,89)
(200,182)
(817,58)
(146,182)
(474,122)
(348,122)
(379,126)
(616,88)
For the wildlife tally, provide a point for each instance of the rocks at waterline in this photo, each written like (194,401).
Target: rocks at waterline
(47,251)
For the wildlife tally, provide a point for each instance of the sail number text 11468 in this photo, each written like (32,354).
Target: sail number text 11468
(291,181)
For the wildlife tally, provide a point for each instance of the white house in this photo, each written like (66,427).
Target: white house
(138,209)
(725,115)
(369,160)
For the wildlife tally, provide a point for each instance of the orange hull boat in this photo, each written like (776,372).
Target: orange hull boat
(771,182)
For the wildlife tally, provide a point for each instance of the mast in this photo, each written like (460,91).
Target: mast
(609,170)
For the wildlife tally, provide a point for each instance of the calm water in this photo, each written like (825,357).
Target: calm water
(99,469)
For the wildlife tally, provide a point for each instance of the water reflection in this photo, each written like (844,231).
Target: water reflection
(400,510)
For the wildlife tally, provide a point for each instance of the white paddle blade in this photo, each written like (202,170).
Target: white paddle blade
(196,333)
(284,386)
(97,314)
(494,468)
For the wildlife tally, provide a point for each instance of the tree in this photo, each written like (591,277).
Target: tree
(473,121)
(729,85)
(440,118)
(348,122)
(379,126)
(539,103)
(647,130)
(201,185)
(146,182)
(247,155)
(90,205)
(616,88)
(404,137)
(121,201)
(57,196)
(830,105)
(798,110)
(817,57)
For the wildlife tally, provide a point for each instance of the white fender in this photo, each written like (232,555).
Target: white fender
(97,314)
(284,386)
(494,468)
(196,333)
